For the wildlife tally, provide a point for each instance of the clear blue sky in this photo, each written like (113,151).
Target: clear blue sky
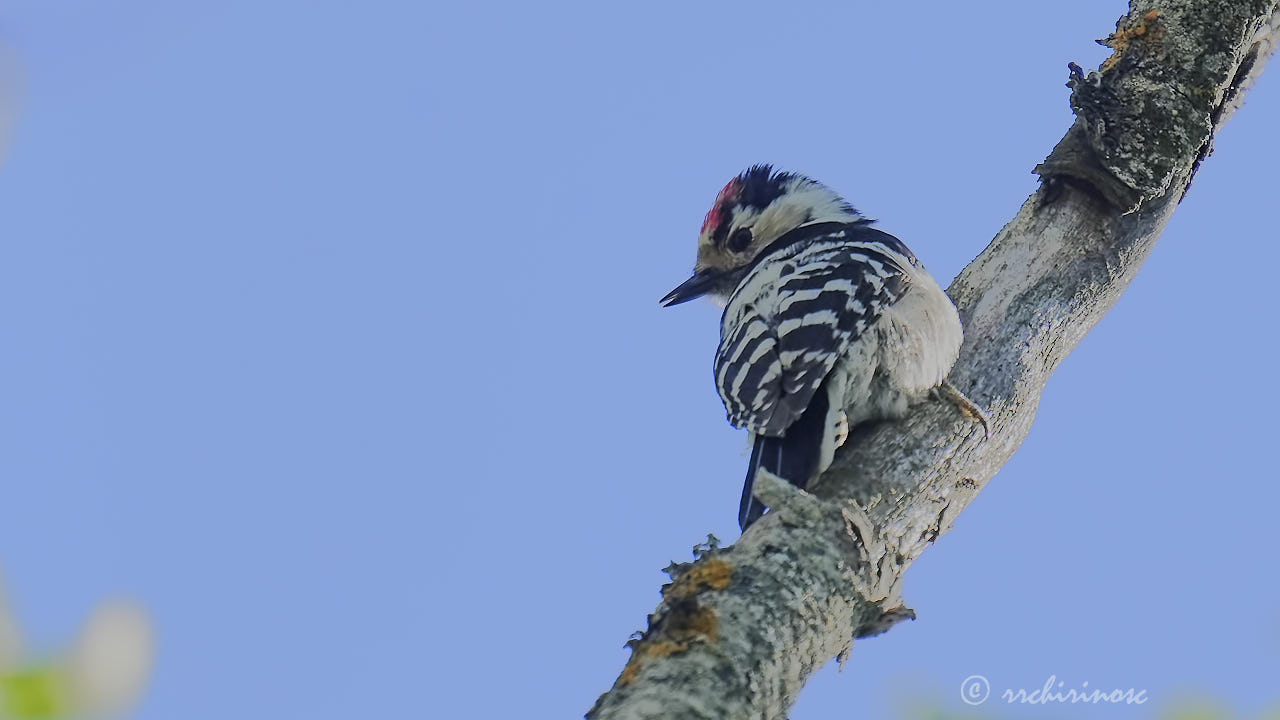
(330,333)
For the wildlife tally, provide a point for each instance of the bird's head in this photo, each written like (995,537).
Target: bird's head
(753,211)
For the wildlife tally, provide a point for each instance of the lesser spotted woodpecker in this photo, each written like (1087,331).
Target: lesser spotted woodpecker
(828,322)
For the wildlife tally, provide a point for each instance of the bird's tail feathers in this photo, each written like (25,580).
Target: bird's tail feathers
(751,509)
(794,457)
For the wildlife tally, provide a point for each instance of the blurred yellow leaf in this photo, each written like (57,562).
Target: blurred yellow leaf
(35,694)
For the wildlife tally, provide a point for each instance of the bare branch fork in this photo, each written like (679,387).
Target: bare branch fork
(740,629)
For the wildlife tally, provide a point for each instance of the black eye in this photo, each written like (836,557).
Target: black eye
(740,239)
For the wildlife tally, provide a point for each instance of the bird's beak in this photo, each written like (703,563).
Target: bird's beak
(695,287)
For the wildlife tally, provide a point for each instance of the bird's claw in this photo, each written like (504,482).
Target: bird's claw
(841,429)
(966,406)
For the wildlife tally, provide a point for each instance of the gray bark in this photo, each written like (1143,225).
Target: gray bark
(741,629)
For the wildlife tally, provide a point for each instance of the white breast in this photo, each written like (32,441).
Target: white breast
(908,353)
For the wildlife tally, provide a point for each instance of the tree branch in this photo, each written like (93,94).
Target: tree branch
(741,629)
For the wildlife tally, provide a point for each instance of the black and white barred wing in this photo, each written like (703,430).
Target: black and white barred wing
(789,322)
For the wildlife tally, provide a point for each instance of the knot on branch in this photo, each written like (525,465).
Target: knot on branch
(874,566)
(884,623)
(878,570)
(789,504)
(1148,114)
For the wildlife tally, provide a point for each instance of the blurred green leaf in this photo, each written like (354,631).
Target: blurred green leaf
(34,694)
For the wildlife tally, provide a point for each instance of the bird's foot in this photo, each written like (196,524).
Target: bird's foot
(966,406)
(841,429)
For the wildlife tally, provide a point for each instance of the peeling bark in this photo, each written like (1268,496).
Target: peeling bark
(741,628)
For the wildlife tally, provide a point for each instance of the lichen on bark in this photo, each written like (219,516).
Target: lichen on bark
(740,630)
(1149,110)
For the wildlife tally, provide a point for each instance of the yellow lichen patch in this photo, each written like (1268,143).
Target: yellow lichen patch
(1121,39)
(683,620)
(644,651)
(710,574)
(684,623)
(694,623)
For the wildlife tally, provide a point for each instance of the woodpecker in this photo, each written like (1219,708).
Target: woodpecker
(828,323)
